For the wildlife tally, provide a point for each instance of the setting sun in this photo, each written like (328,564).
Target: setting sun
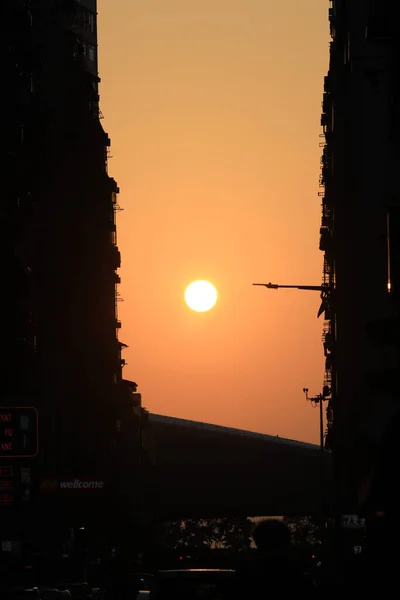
(201,296)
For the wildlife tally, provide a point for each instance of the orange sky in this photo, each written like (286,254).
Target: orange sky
(213,109)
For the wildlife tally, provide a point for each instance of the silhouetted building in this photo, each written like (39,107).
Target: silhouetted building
(59,261)
(360,230)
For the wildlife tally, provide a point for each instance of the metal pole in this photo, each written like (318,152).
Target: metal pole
(321,424)
(335,450)
(323,515)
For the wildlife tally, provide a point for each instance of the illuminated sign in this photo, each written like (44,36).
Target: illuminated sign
(79,484)
(18,432)
(52,484)
(352,522)
(6,486)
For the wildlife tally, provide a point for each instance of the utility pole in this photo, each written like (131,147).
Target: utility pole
(318,400)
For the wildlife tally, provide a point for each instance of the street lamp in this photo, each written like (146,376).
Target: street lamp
(318,400)
(327,304)
(312,288)
(326,292)
(315,401)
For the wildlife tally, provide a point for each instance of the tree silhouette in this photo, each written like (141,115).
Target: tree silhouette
(232,533)
(309,530)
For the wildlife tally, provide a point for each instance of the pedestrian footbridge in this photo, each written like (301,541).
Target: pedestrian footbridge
(207,470)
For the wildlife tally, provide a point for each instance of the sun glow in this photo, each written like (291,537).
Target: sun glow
(201,295)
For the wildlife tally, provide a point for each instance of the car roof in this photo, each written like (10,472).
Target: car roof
(170,573)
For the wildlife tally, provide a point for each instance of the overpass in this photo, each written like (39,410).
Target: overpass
(207,470)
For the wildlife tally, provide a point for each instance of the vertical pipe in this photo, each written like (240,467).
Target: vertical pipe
(321,424)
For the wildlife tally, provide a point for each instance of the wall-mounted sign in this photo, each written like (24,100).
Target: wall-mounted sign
(353,522)
(82,484)
(18,432)
(52,484)
(6,485)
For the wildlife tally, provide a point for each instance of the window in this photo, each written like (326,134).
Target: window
(88,21)
(91,22)
(88,50)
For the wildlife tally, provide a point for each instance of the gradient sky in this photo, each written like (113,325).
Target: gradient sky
(213,109)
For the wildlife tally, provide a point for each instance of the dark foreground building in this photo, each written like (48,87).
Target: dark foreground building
(360,235)
(59,260)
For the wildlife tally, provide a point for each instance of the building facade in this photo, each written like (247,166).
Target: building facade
(360,233)
(59,260)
